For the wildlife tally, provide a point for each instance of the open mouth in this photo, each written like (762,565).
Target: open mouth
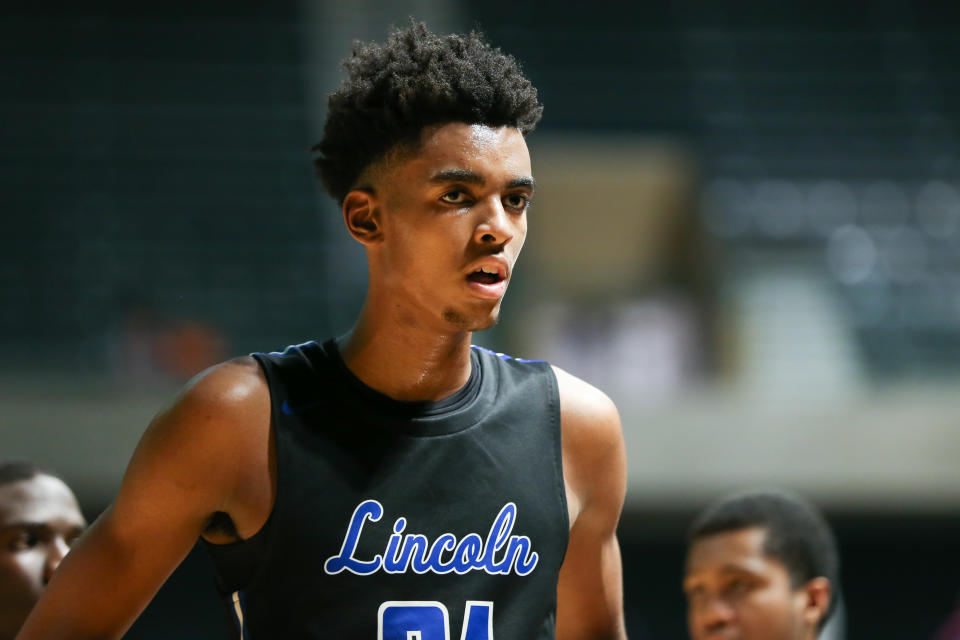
(485,275)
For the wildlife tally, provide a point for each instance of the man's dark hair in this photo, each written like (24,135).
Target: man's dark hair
(15,471)
(797,534)
(414,80)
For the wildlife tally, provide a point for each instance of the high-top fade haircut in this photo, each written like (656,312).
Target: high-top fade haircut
(414,80)
(797,534)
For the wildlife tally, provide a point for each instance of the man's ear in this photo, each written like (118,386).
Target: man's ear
(361,215)
(816,594)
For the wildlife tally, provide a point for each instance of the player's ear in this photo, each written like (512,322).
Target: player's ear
(816,594)
(361,215)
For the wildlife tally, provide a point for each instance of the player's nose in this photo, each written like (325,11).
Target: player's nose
(713,616)
(56,550)
(494,226)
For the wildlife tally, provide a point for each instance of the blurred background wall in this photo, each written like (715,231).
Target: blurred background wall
(746,231)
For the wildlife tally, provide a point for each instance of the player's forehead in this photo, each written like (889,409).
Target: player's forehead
(40,499)
(495,153)
(728,552)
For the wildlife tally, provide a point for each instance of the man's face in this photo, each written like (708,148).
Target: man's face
(736,591)
(452,210)
(39,519)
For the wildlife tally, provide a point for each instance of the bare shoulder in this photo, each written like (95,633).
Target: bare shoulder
(228,401)
(225,409)
(594,456)
(581,401)
(209,449)
(226,391)
(591,423)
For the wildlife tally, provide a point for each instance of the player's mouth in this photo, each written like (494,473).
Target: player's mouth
(489,278)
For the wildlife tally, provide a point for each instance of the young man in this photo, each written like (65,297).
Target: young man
(394,483)
(39,520)
(761,565)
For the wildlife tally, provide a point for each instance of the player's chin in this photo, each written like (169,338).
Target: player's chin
(488,322)
(472,319)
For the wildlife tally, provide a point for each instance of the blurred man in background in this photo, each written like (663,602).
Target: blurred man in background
(39,520)
(761,565)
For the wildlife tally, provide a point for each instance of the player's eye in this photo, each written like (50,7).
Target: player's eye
(24,540)
(457,196)
(517,201)
(693,591)
(738,585)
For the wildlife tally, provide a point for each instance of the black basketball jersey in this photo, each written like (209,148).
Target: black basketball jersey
(400,521)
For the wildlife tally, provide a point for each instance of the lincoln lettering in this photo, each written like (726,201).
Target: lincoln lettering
(500,552)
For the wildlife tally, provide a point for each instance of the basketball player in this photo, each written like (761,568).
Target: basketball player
(39,520)
(394,483)
(761,565)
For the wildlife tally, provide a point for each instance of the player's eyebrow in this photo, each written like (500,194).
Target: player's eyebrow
(458,175)
(76,528)
(736,569)
(465,175)
(23,525)
(525,181)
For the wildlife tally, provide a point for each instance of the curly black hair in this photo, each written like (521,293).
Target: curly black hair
(797,534)
(414,80)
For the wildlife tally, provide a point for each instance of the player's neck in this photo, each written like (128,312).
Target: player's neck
(406,361)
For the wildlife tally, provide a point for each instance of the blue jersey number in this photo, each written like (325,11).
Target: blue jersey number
(428,620)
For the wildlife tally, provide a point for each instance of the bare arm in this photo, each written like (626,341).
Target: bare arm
(200,455)
(590,589)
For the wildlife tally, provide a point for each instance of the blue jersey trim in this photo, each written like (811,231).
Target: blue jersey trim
(504,356)
(287,350)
